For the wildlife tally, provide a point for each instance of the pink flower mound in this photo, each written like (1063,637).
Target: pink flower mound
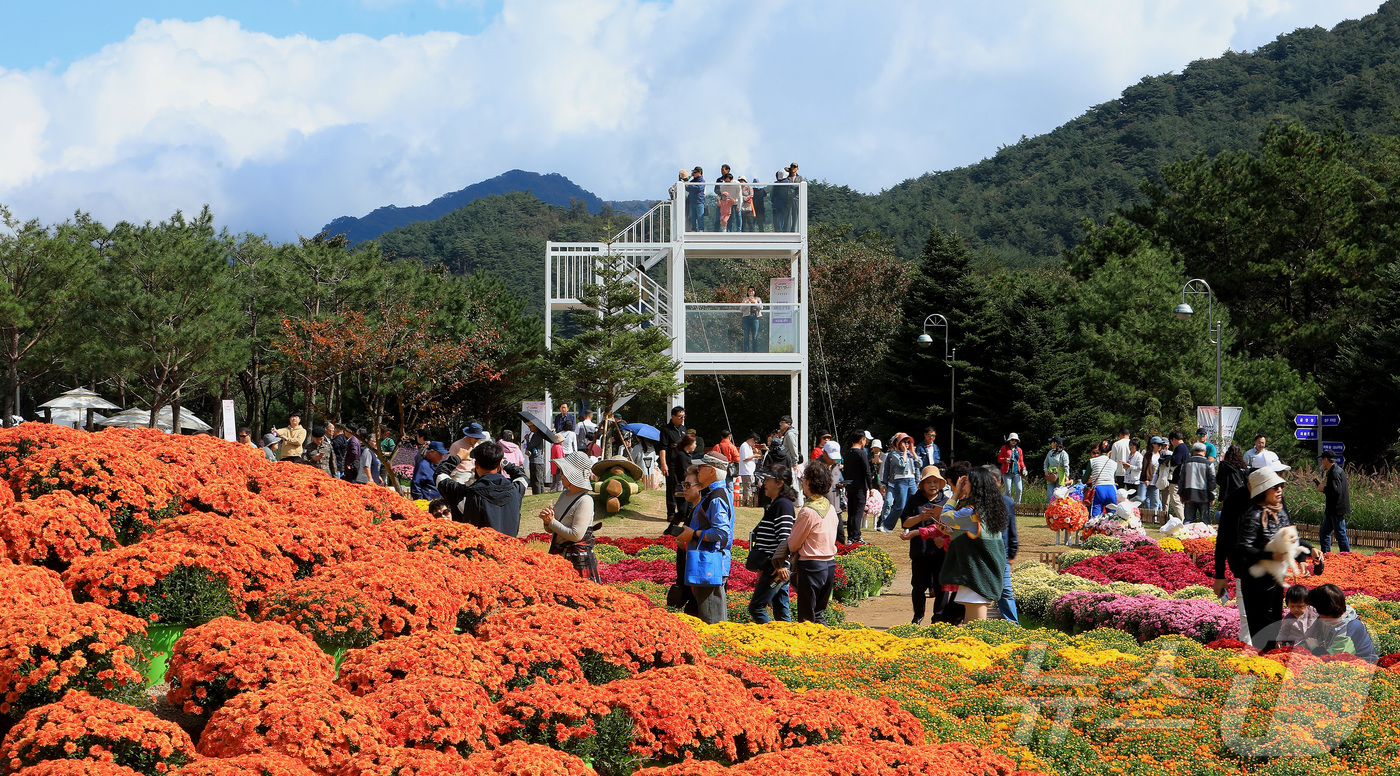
(1147,564)
(663,572)
(1145,616)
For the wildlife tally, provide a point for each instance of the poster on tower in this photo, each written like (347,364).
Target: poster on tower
(782,312)
(1219,425)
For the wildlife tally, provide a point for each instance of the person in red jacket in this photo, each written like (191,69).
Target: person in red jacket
(1013,466)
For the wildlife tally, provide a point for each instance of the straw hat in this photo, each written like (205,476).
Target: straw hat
(602,468)
(1261,480)
(574,467)
(932,471)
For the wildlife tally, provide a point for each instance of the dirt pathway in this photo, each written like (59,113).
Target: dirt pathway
(646,516)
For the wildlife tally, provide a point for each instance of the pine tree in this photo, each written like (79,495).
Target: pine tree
(616,353)
(918,379)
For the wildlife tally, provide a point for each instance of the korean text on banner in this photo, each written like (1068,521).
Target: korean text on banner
(782,326)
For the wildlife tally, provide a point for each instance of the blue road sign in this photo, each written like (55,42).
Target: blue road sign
(1333,447)
(1330,420)
(1305,420)
(1305,433)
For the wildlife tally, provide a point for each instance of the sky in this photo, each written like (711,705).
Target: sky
(284,115)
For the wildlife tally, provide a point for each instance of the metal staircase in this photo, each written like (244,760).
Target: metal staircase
(644,244)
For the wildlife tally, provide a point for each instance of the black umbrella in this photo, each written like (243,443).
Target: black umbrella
(539,424)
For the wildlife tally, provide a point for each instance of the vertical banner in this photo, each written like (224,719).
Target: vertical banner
(230,429)
(539,409)
(1220,423)
(782,321)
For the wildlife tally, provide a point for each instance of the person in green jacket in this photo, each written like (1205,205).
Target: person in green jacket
(976,551)
(1056,468)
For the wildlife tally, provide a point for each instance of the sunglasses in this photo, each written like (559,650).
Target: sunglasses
(441,512)
(689,484)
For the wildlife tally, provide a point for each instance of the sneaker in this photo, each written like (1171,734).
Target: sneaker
(917,622)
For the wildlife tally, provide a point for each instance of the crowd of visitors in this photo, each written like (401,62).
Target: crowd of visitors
(958,518)
(740,205)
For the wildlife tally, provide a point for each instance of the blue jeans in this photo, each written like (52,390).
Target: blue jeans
(1150,498)
(897,493)
(695,215)
(1007,603)
(751,334)
(763,596)
(1198,511)
(736,220)
(1324,532)
(1012,485)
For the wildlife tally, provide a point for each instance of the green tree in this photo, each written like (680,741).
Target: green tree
(167,305)
(1367,381)
(616,354)
(45,277)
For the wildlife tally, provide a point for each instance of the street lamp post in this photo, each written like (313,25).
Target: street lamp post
(938,321)
(1199,287)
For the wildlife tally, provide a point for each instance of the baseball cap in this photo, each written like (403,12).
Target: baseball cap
(832,450)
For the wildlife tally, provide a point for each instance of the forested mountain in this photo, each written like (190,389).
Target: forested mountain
(503,234)
(1027,203)
(552,188)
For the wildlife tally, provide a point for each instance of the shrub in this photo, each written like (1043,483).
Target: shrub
(656,552)
(433,712)
(246,765)
(81,727)
(606,553)
(1102,543)
(518,758)
(819,716)
(880,560)
(46,651)
(512,661)
(76,768)
(25,586)
(130,487)
(316,723)
(578,719)
(55,528)
(160,581)
(694,711)
(409,595)
(214,662)
(408,762)
(333,614)
(609,644)
(861,577)
(1070,557)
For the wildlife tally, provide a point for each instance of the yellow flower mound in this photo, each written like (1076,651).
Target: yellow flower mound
(1102,657)
(804,638)
(1171,544)
(1259,666)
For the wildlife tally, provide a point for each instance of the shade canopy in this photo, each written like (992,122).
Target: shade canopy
(73,417)
(165,420)
(79,399)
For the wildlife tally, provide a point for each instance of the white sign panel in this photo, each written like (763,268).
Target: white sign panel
(782,323)
(230,428)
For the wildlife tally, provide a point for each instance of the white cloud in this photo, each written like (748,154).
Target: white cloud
(282,134)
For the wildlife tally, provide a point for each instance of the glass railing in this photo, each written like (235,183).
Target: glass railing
(740,328)
(740,207)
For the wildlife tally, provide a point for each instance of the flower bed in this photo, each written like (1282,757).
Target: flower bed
(1150,565)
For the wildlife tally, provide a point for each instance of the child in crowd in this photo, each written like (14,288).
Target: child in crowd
(1293,629)
(1338,629)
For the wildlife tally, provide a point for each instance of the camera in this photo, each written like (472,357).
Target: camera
(674,529)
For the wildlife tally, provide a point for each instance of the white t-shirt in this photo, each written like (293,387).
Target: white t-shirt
(569,441)
(746,466)
(1119,453)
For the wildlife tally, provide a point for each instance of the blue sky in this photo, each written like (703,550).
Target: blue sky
(285,115)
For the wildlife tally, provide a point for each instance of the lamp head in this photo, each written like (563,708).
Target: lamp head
(924,340)
(1183,311)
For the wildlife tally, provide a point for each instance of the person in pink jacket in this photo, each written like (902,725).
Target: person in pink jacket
(812,544)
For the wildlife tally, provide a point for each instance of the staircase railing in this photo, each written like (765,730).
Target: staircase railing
(651,228)
(575,265)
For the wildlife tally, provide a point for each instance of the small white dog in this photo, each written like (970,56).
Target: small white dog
(1286,542)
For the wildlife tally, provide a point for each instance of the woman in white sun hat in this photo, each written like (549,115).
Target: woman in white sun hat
(1261,598)
(570,521)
